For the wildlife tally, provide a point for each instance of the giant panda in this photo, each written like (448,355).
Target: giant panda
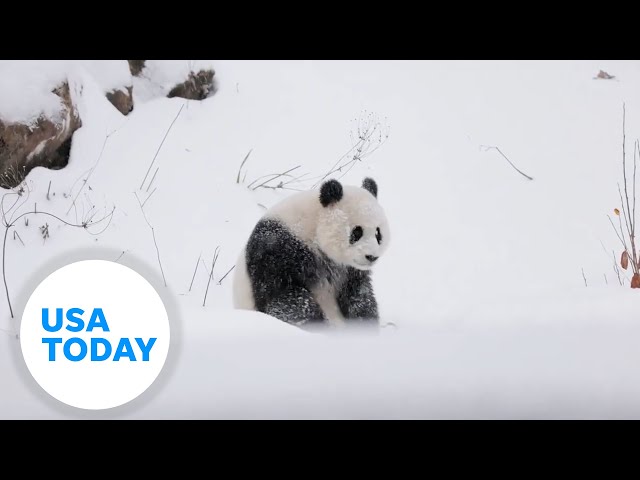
(308,260)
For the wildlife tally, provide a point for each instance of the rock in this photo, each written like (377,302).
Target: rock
(45,143)
(198,86)
(136,66)
(602,75)
(122,99)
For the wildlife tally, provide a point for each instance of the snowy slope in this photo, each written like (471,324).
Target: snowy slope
(483,279)
(26,85)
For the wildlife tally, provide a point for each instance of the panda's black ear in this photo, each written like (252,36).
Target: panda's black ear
(370,185)
(330,192)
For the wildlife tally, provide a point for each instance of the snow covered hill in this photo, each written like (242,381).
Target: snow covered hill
(484,281)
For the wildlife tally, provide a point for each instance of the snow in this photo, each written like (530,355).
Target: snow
(158,77)
(483,278)
(26,85)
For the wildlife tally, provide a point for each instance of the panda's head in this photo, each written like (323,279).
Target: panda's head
(352,227)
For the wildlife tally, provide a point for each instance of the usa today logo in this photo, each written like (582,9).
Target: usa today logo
(95,334)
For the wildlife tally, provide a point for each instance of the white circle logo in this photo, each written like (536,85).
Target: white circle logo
(95,334)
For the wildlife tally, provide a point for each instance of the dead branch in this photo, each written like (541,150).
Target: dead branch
(11,223)
(225,275)
(213,265)
(242,165)
(17,235)
(273,176)
(152,179)
(195,271)
(146,199)
(153,234)
(160,146)
(86,180)
(363,139)
(486,148)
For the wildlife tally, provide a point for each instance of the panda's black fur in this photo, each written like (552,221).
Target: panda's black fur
(283,271)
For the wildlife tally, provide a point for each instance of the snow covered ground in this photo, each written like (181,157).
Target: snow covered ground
(483,279)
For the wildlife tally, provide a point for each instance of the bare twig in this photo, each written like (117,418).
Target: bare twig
(160,146)
(16,234)
(620,235)
(153,234)
(242,165)
(273,176)
(213,265)
(487,147)
(146,199)
(153,178)
(367,129)
(206,269)
(86,180)
(49,190)
(225,275)
(616,269)
(626,231)
(4,270)
(195,271)
(584,278)
(10,223)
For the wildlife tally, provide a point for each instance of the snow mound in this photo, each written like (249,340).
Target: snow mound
(26,86)
(159,76)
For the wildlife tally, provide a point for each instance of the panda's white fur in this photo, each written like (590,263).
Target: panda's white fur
(325,229)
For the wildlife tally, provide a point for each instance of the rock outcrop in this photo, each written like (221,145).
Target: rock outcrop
(122,99)
(136,66)
(197,86)
(45,143)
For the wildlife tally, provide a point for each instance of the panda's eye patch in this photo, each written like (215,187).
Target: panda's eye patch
(378,235)
(356,234)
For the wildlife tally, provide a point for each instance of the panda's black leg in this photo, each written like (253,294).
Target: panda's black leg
(282,270)
(356,298)
(296,306)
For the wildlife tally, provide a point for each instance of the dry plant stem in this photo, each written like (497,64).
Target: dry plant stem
(195,271)
(507,159)
(626,231)
(86,180)
(367,128)
(153,234)
(624,215)
(147,199)
(242,165)
(628,212)
(225,275)
(16,234)
(160,146)
(213,265)
(206,269)
(153,178)
(274,177)
(584,278)
(620,237)
(4,244)
(4,271)
(615,267)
